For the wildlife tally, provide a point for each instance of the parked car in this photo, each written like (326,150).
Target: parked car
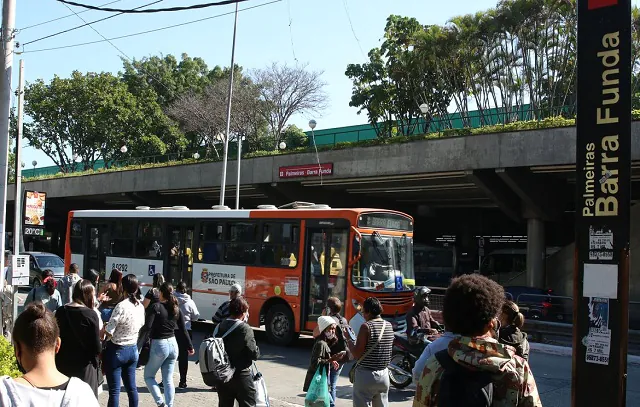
(540,304)
(41,261)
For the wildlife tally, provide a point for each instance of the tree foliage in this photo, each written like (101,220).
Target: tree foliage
(513,62)
(90,117)
(287,91)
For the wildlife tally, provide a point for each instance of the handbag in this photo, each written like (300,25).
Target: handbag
(262,396)
(318,393)
(144,346)
(352,372)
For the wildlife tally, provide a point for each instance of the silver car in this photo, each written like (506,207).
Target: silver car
(41,261)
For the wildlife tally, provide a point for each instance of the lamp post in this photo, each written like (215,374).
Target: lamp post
(196,156)
(34,163)
(282,145)
(312,125)
(240,139)
(223,177)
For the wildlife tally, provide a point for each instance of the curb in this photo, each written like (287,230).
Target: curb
(567,351)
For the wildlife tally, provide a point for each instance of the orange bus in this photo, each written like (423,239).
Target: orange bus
(288,261)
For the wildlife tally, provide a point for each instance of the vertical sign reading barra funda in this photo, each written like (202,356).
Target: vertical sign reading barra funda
(603,178)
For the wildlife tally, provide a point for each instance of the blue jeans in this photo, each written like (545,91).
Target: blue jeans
(333,383)
(162,356)
(105,313)
(120,364)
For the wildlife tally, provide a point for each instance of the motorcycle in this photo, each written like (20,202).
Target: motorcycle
(404,356)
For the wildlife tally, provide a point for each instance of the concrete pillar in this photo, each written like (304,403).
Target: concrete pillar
(536,253)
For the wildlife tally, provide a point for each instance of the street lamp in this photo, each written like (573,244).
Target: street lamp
(282,145)
(22,164)
(313,124)
(34,163)
(424,108)
(196,156)
(124,149)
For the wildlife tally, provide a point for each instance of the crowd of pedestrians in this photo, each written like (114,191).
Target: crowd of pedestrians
(68,336)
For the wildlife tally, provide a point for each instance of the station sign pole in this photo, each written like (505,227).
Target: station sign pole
(603,183)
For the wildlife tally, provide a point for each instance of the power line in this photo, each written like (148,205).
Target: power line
(152,10)
(148,31)
(293,49)
(63,17)
(85,24)
(353,31)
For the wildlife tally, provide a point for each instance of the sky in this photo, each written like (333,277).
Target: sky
(326,34)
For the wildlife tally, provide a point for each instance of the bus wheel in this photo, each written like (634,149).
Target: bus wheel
(280,325)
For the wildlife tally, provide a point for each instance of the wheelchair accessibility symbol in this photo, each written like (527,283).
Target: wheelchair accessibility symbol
(398,283)
(152,269)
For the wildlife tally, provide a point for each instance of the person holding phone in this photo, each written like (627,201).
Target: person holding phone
(338,348)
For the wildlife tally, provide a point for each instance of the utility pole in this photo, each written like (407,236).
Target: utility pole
(223,178)
(17,224)
(8,28)
(238,181)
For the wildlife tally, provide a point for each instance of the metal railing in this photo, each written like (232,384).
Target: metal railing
(331,137)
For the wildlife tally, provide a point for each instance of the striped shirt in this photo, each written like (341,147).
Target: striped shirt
(380,356)
(222,313)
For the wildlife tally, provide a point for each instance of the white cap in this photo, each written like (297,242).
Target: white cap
(324,322)
(236,288)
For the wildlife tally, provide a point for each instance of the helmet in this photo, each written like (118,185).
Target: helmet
(421,295)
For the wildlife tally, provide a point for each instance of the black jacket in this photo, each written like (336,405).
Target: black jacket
(513,336)
(240,344)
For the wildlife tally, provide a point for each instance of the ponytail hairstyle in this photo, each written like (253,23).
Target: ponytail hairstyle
(514,317)
(158,280)
(116,278)
(166,289)
(131,288)
(49,282)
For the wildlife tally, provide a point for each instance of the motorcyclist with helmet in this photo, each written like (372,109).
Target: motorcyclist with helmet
(419,319)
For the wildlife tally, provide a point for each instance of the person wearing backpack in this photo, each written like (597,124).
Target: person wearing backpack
(241,350)
(339,347)
(66,283)
(475,370)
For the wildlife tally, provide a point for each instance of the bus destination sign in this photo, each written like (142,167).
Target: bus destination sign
(309,170)
(385,221)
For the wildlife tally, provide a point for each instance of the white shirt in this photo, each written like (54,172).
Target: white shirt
(77,394)
(125,323)
(434,347)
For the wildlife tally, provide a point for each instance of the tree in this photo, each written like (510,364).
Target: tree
(287,91)
(91,117)
(295,137)
(204,115)
(170,78)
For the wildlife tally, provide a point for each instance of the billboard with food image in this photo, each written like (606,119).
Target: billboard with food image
(34,204)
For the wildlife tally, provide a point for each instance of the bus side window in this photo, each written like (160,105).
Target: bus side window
(279,245)
(241,246)
(149,240)
(210,248)
(122,235)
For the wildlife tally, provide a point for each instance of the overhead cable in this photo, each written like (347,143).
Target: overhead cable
(147,31)
(62,18)
(85,24)
(152,10)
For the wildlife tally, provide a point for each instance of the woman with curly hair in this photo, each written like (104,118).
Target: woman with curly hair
(471,309)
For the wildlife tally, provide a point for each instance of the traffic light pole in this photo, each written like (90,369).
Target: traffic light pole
(603,183)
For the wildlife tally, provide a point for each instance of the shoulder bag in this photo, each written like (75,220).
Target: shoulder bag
(352,372)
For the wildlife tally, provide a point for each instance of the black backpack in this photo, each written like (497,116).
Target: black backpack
(461,387)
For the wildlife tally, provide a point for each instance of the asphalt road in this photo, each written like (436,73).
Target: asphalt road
(284,369)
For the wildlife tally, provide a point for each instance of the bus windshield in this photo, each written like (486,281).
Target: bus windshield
(384,259)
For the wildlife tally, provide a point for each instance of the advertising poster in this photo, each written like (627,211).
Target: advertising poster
(34,205)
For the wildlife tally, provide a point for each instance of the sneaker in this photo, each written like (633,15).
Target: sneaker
(182,385)
(161,386)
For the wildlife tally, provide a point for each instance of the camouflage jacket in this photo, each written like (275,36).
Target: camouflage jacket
(513,384)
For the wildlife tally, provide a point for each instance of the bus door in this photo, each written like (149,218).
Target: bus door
(325,269)
(98,247)
(179,263)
